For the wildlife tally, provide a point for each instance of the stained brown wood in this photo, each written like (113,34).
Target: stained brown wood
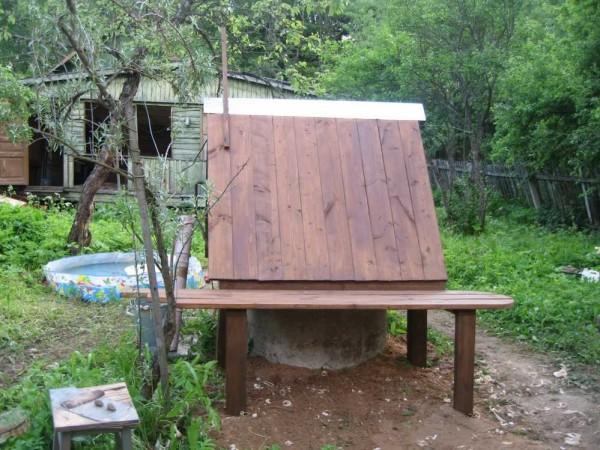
(235,365)
(14,162)
(339,247)
(245,262)
(291,229)
(323,199)
(311,198)
(336,299)
(422,201)
(335,285)
(359,222)
(380,214)
(268,242)
(405,226)
(416,337)
(220,236)
(464,360)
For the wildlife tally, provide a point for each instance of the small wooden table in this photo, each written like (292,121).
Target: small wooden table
(74,412)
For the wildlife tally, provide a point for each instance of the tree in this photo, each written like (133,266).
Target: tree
(111,41)
(446,54)
(284,39)
(548,113)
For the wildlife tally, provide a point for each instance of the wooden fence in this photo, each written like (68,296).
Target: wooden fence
(565,194)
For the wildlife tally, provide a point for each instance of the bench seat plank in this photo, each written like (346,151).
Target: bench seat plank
(333,299)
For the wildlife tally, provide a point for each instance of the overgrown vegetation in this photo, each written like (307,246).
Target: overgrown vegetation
(190,412)
(397,326)
(553,311)
(39,331)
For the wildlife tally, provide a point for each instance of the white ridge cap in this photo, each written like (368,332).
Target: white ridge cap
(340,109)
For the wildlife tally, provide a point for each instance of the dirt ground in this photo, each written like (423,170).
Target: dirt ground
(387,404)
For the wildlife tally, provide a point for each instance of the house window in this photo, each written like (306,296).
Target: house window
(154,130)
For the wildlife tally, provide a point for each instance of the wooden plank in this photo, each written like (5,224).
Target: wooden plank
(422,200)
(268,242)
(405,227)
(235,365)
(335,285)
(339,245)
(464,361)
(380,214)
(245,262)
(416,337)
(363,252)
(220,263)
(311,198)
(14,163)
(66,420)
(288,197)
(313,299)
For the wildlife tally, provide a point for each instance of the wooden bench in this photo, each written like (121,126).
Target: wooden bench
(233,342)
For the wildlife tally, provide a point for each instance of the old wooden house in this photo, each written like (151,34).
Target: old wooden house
(170,134)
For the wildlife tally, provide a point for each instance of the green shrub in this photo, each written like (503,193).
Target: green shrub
(552,311)
(462,213)
(190,410)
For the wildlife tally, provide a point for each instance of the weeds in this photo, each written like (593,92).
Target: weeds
(194,388)
(553,311)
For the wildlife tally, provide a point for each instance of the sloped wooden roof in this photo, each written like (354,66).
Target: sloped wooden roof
(308,195)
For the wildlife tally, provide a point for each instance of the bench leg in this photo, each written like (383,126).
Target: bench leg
(464,360)
(62,441)
(221,335)
(235,361)
(416,337)
(124,439)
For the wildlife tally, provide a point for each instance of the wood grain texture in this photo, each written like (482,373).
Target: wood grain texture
(380,214)
(338,299)
(245,261)
(235,365)
(405,226)
(339,243)
(464,361)
(268,241)
(422,200)
(66,420)
(416,337)
(220,236)
(291,229)
(314,199)
(335,285)
(359,222)
(311,198)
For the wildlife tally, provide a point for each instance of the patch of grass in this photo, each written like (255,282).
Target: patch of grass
(397,325)
(37,324)
(553,311)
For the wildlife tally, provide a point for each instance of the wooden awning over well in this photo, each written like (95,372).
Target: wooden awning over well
(313,190)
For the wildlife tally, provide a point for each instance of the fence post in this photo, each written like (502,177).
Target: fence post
(533,190)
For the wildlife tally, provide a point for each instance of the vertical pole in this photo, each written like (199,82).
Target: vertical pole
(464,360)
(416,337)
(586,200)
(224,68)
(235,361)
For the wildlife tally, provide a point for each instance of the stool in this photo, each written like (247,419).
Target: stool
(84,411)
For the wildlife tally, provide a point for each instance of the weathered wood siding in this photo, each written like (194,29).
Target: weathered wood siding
(75,134)
(187,166)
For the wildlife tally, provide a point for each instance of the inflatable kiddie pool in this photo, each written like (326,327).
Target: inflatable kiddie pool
(101,277)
